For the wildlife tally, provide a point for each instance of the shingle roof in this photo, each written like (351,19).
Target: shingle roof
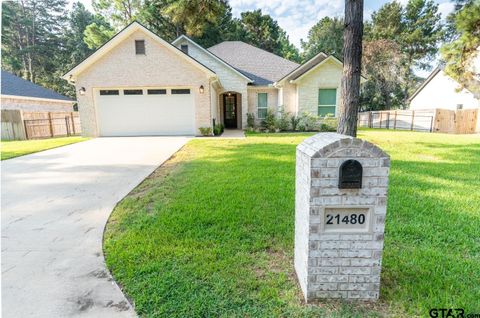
(261,66)
(14,85)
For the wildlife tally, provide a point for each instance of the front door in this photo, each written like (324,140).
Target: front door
(230,110)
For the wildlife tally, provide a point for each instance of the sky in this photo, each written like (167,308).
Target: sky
(296,17)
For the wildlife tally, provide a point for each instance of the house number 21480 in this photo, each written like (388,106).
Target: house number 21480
(347,219)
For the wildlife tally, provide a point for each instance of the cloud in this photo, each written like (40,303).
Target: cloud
(295,17)
(446,8)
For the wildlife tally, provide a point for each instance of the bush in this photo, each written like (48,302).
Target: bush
(250,120)
(294,120)
(308,122)
(205,131)
(270,121)
(283,121)
(218,129)
(329,123)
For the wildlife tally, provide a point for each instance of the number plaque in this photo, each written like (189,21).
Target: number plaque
(346,220)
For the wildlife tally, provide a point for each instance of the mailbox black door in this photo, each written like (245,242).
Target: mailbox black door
(350,175)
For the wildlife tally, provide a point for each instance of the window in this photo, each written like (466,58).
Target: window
(181,91)
(262,105)
(132,92)
(184,48)
(156,91)
(139,47)
(109,92)
(327,101)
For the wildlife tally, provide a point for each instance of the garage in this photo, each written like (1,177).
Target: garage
(145,111)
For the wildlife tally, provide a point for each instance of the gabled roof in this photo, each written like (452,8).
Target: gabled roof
(263,67)
(426,81)
(186,38)
(305,67)
(311,64)
(122,35)
(13,85)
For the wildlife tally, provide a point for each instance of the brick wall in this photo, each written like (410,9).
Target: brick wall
(159,67)
(229,79)
(339,264)
(329,75)
(36,104)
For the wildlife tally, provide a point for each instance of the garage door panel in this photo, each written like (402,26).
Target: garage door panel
(136,115)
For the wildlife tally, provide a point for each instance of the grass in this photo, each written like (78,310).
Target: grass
(16,148)
(210,234)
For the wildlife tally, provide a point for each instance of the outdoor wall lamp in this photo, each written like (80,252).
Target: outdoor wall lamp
(82,91)
(201,89)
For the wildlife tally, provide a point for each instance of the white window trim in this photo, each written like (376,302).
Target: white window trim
(334,105)
(258,104)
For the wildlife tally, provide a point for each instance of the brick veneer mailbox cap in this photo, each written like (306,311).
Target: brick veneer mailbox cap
(339,232)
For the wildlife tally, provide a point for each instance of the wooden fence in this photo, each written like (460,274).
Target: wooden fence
(21,125)
(463,121)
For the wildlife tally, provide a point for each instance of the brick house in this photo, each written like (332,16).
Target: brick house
(139,84)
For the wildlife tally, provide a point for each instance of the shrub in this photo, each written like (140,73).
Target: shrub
(218,129)
(250,120)
(329,123)
(283,120)
(205,131)
(309,122)
(270,121)
(294,120)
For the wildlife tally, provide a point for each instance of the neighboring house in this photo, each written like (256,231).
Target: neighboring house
(139,84)
(440,91)
(18,93)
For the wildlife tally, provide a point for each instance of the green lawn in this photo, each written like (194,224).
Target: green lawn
(211,233)
(15,148)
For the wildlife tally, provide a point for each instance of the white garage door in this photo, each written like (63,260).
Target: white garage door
(145,112)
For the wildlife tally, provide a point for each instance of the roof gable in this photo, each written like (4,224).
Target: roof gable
(263,67)
(210,54)
(305,67)
(438,71)
(311,67)
(120,37)
(13,85)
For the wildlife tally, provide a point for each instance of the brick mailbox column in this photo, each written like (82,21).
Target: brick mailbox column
(340,208)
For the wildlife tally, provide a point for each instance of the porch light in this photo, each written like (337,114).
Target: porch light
(201,89)
(82,91)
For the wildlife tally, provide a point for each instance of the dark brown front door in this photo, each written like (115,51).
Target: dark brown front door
(230,110)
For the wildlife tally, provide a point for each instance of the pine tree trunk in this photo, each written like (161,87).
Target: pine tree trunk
(352,58)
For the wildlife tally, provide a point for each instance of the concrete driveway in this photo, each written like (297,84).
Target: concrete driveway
(54,208)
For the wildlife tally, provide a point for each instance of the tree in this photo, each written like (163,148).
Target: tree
(75,47)
(422,33)
(416,31)
(118,13)
(153,17)
(387,23)
(381,64)
(262,31)
(97,33)
(460,54)
(32,37)
(352,61)
(325,36)
(192,16)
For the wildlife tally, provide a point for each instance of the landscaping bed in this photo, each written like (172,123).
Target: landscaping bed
(210,233)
